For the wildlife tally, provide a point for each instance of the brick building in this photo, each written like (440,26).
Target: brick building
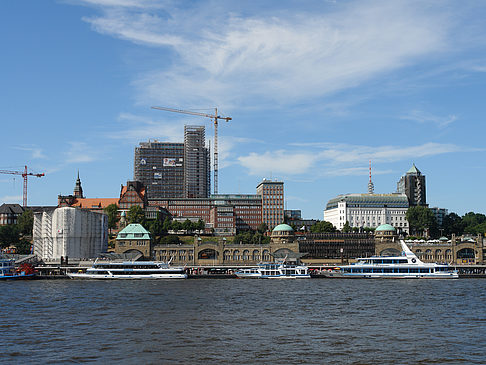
(272,195)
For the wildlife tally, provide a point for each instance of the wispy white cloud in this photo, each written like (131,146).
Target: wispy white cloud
(425,117)
(81,152)
(329,159)
(279,162)
(136,128)
(10,199)
(124,3)
(479,68)
(36,152)
(229,59)
(355,171)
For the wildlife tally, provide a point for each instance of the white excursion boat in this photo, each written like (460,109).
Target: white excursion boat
(408,265)
(131,270)
(275,270)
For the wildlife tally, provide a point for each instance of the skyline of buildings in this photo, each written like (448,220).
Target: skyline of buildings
(231,213)
(372,210)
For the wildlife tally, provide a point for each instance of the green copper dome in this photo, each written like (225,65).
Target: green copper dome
(385,227)
(283,228)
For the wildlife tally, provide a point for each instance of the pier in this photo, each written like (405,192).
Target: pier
(58,271)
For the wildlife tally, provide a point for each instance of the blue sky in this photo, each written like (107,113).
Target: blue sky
(315,89)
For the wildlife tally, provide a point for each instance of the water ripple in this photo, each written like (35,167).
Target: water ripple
(244,321)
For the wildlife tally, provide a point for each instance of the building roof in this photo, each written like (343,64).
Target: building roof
(139,189)
(11,209)
(90,203)
(414,170)
(385,227)
(283,228)
(133,231)
(370,200)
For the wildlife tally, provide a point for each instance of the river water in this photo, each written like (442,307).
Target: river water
(238,321)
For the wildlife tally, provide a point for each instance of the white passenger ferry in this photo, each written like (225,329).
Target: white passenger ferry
(275,270)
(131,270)
(408,265)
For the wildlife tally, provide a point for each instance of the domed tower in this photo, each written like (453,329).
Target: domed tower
(283,233)
(386,232)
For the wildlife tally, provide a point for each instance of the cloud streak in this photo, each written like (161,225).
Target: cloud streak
(36,152)
(279,58)
(81,152)
(425,117)
(337,159)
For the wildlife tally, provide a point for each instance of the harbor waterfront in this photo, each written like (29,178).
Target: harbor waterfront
(244,321)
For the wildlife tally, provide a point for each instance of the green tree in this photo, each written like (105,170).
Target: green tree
(23,246)
(421,218)
(347,228)
(262,228)
(187,225)
(170,240)
(25,222)
(452,223)
(200,225)
(112,212)
(176,226)
(474,223)
(167,224)
(136,215)
(323,227)
(9,235)
(156,227)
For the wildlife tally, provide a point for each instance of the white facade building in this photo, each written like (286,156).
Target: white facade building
(70,232)
(368,210)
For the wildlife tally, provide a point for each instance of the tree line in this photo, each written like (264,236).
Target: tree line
(159,228)
(18,235)
(422,218)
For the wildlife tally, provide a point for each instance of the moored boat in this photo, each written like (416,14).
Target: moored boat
(408,265)
(275,270)
(131,270)
(9,272)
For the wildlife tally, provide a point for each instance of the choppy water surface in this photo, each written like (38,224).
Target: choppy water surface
(244,321)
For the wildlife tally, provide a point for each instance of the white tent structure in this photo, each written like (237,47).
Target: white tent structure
(70,232)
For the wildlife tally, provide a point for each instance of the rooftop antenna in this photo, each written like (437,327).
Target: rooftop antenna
(371,186)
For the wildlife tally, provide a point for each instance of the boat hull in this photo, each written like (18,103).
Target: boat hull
(18,277)
(452,275)
(125,277)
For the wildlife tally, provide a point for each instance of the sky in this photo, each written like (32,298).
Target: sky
(315,90)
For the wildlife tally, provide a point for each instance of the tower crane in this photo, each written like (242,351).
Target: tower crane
(215,117)
(24,175)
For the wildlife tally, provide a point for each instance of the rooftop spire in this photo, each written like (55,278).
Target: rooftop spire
(78,190)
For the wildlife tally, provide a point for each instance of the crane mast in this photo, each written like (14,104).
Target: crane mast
(24,174)
(215,119)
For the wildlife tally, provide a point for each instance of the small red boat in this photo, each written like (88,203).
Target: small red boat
(8,270)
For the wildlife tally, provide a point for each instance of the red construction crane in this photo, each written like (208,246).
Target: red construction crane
(24,175)
(215,117)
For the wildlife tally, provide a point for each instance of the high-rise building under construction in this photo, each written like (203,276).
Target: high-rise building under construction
(174,170)
(196,163)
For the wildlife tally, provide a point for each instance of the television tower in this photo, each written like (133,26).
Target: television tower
(371,186)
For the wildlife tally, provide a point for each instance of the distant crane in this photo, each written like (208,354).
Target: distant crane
(24,175)
(215,117)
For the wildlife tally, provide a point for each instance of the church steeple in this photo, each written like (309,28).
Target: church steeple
(78,190)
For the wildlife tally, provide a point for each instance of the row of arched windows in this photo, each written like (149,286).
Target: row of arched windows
(246,255)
